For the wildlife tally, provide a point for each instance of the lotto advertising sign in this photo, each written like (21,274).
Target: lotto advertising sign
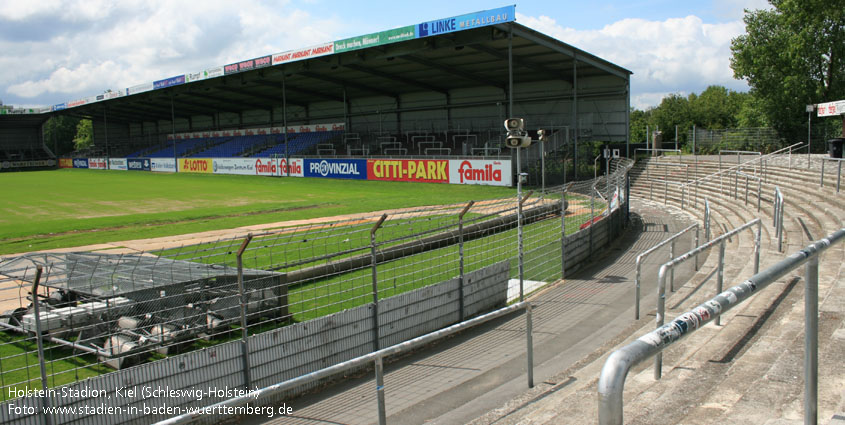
(196,165)
(138,164)
(292,167)
(117,164)
(336,168)
(476,171)
(65,163)
(408,170)
(163,165)
(97,164)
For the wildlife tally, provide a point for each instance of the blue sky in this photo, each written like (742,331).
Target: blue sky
(53,51)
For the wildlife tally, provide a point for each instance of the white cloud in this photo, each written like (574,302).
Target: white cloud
(671,56)
(93,45)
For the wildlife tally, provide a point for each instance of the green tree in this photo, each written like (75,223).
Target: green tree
(84,135)
(59,132)
(791,56)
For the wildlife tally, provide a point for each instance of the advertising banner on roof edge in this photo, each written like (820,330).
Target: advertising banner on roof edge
(409,170)
(300,54)
(169,82)
(375,39)
(468,21)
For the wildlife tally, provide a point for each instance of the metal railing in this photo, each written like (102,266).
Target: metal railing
(642,257)
(777,217)
(377,358)
(759,188)
(619,363)
(838,171)
(669,267)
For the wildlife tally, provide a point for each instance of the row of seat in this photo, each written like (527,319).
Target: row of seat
(238,146)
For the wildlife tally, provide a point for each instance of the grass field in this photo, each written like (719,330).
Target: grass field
(66,208)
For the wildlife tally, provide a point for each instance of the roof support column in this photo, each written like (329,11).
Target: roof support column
(398,114)
(345,110)
(510,71)
(285,121)
(448,115)
(106,131)
(173,131)
(628,116)
(575,112)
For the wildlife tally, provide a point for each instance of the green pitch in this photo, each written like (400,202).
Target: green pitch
(67,208)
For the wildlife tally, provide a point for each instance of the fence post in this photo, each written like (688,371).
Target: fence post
(375,279)
(592,216)
(45,401)
(720,275)
(695,245)
(242,293)
(759,193)
(563,234)
(519,242)
(838,175)
(757,247)
(529,340)
(811,340)
(382,410)
(461,259)
(672,271)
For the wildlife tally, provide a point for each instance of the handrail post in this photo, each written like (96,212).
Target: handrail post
(461,259)
(375,279)
(382,411)
(45,401)
(637,290)
(661,310)
(757,247)
(811,340)
(695,245)
(720,275)
(242,293)
(821,182)
(563,234)
(672,271)
(838,175)
(759,193)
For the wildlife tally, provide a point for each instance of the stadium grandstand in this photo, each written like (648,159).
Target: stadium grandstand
(437,89)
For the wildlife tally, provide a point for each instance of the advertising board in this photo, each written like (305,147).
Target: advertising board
(28,164)
(468,21)
(375,39)
(300,54)
(265,166)
(480,171)
(98,164)
(169,82)
(65,163)
(195,165)
(336,168)
(292,167)
(140,88)
(117,164)
(163,165)
(409,170)
(138,164)
(241,166)
(831,108)
(80,163)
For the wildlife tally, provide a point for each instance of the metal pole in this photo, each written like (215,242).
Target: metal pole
(173,132)
(809,132)
(720,276)
(519,223)
(672,271)
(592,216)
(821,182)
(543,164)
(45,401)
(382,411)
(746,190)
(757,247)
(563,234)
(461,258)
(529,340)
(838,176)
(759,193)
(695,244)
(242,293)
(661,309)
(811,340)
(285,123)
(375,279)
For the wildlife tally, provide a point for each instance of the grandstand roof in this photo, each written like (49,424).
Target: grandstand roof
(464,59)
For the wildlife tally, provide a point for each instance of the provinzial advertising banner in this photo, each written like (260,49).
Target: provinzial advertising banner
(80,163)
(292,167)
(138,164)
(195,165)
(336,168)
(98,164)
(480,171)
(409,170)
(163,165)
(65,162)
(117,164)
(468,21)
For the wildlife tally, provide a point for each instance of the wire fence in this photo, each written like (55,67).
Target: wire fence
(101,312)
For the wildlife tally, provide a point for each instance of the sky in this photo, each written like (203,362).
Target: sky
(53,51)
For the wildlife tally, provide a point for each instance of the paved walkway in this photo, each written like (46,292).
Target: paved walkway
(464,377)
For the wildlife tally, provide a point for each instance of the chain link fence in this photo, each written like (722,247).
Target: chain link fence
(70,317)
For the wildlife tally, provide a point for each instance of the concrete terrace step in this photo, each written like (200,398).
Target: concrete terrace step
(749,369)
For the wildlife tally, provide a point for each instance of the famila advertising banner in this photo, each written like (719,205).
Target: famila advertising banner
(480,171)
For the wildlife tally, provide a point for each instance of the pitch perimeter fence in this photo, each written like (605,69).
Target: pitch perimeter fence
(208,319)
